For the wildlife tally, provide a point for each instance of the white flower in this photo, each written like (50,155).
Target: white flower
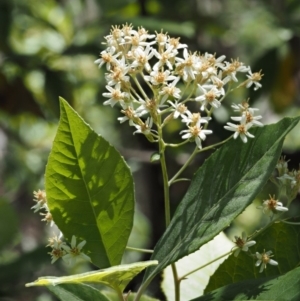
(74,252)
(108,57)
(175,43)
(188,65)
(194,119)
(164,58)
(179,109)
(141,57)
(144,128)
(254,78)
(57,247)
(115,95)
(209,96)
(159,77)
(138,40)
(240,129)
(118,74)
(230,70)
(130,114)
(250,118)
(263,259)
(40,199)
(272,206)
(170,90)
(243,244)
(197,133)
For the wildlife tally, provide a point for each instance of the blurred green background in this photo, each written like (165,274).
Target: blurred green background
(48,49)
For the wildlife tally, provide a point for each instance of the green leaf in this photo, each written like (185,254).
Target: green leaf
(89,189)
(282,239)
(283,288)
(221,189)
(78,292)
(116,277)
(114,297)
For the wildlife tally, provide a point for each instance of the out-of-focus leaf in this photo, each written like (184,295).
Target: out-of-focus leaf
(8,223)
(282,239)
(283,288)
(221,189)
(89,189)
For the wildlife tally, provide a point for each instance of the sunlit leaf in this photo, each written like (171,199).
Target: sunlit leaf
(116,277)
(221,189)
(89,189)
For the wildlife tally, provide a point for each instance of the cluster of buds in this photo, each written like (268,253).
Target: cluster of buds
(41,204)
(175,78)
(60,249)
(287,181)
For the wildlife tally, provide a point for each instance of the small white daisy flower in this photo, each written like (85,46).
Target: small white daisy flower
(240,129)
(243,244)
(263,259)
(272,206)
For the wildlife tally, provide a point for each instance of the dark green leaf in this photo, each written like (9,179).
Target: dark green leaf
(221,189)
(283,288)
(78,292)
(89,189)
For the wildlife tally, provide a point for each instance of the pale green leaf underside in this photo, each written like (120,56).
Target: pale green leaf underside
(283,288)
(194,284)
(221,189)
(116,277)
(89,189)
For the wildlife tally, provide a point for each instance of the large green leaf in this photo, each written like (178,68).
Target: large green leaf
(78,292)
(283,288)
(282,239)
(116,277)
(221,189)
(89,189)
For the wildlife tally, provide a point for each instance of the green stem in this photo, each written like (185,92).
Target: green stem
(163,164)
(139,250)
(176,282)
(188,161)
(214,145)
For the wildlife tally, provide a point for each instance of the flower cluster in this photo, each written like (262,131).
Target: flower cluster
(287,180)
(41,204)
(137,61)
(68,253)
